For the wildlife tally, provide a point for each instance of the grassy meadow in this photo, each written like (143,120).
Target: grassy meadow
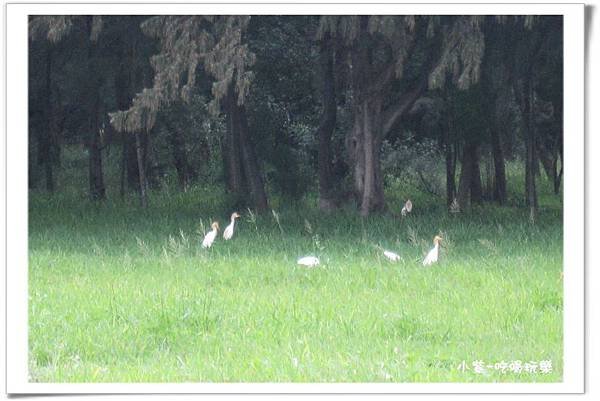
(119,294)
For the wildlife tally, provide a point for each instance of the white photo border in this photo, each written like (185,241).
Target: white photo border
(17,195)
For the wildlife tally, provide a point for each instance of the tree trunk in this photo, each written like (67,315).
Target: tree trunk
(494,78)
(469,186)
(355,146)
(141,169)
(450,153)
(530,158)
(488,191)
(363,144)
(47,151)
(476,188)
(372,197)
(371,85)
(131,162)
(153,171)
(123,94)
(464,191)
(96,179)
(49,175)
(558,146)
(179,158)
(243,172)
(126,85)
(558,177)
(549,160)
(251,169)
(96,175)
(499,170)
(326,126)
(32,176)
(123,165)
(450,175)
(232,156)
(523,89)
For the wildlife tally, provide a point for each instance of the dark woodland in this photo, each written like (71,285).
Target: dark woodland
(265,106)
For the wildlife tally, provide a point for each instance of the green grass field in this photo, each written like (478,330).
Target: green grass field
(118,294)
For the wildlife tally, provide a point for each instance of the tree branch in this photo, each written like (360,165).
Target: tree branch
(396,111)
(393,113)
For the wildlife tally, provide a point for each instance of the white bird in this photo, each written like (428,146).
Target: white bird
(394,257)
(407,208)
(228,233)
(309,261)
(209,238)
(433,254)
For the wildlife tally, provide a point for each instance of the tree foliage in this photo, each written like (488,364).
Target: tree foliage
(333,104)
(187,43)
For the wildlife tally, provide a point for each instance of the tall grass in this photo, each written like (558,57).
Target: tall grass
(119,294)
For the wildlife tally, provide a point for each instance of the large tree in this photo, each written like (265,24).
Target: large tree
(549,101)
(87,29)
(189,46)
(309,101)
(326,122)
(530,36)
(496,91)
(44,112)
(393,60)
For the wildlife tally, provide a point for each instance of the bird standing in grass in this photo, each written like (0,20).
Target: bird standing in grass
(407,208)
(394,257)
(209,238)
(433,254)
(228,233)
(309,261)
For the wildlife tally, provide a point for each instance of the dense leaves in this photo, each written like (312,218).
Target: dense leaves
(291,105)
